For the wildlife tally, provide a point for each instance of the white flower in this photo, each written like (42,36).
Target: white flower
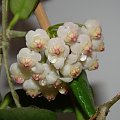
(17,74)
(27,58)
(98,45)
(45,74)
(59,63)
(38,72)
(92,28)
(84,45)
(57,52)
(72,58)
(81,49)
(76,49)
(51,75)
(91,63)
(32,88)
(71,70)
(47,68)
(38,68)
(69,32)
(51,78)
(37,40)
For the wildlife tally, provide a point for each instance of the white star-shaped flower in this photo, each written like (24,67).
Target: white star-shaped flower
(27,58)
(71,70)
(17,74)
(57,52)
(92,28)
(69,32)
(32,88)
(91,63)
(37,40)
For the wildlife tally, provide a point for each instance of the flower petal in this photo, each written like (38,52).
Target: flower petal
(67,80)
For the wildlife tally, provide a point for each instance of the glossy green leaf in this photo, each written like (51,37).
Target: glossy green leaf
(22,8)
(82,92)
(26,114)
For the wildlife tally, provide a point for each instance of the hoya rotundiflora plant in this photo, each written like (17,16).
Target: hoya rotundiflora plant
(48,65)
(53,62)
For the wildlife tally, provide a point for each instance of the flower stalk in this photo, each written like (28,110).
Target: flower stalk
(5,51)
(13,34)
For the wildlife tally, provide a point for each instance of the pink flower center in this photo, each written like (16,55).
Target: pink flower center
(39,44)
(38,77)
(57,50)
(94,66)
(18,79)
(87,50)
(75,71)
(72,37)
(96,33)
(26,62)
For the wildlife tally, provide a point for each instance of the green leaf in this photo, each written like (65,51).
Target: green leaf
(82,92)
(22,8)
(61,103)
(26,114)
(52,30)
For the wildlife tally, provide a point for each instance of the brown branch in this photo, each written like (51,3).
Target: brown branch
(42,16)
(103,110)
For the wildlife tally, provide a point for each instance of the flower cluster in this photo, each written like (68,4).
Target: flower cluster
(47,64)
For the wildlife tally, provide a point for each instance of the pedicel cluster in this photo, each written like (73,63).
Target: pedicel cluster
(47,65)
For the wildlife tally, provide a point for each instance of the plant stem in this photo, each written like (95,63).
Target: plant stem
(13,21)
(5,102)
(0,54)
(0,59)
(14,34)
(13,92)
(5,52)
(79,115)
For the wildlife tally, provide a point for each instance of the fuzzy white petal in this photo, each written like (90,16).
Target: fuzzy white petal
(67,80)
(51,78)
(29,35)
(30,85)
(38,68)
(14,68)
(83,39)
(43,34)
(76,48)
(65,71)
(98,45)
(59,63)
(47,68)
(72,58)
(67,50)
